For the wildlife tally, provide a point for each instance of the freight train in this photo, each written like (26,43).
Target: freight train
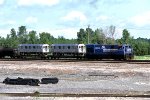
(79,51)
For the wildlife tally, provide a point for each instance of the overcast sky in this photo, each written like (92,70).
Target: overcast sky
(66,17)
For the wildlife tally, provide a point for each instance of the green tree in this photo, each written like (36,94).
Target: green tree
(141,46)
(22,35)
(99,36)
(33,38)
(125,36)
(89,36)
(81,36)
(13,38)
(2,41)
(23,39)
(149,47)
(22,30)
(46,38)
(13,33)
(61,39)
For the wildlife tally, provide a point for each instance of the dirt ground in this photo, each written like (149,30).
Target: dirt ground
(78,77)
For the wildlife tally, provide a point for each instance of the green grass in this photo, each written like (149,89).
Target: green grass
(146,57)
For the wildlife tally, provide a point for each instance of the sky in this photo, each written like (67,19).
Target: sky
(66,17)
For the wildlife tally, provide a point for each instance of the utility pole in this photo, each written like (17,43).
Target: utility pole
(88,34)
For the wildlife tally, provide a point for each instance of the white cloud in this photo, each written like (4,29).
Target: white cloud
(102,18)
(141,20)
(31,20)
(1,2)
(75,15)
(37,2)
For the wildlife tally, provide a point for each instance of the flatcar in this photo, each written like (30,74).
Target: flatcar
(98,51)
(33,50)
(68,50)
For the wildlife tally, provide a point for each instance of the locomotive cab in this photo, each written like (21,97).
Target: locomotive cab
(128,52)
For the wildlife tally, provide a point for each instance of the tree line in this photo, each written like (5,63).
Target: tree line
(32,37)
(141,46)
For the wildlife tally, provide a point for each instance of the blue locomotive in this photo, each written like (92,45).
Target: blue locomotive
(98,51)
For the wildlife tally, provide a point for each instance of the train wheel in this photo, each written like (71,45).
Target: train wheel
(125,58)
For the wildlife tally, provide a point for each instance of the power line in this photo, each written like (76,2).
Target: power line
(88,34)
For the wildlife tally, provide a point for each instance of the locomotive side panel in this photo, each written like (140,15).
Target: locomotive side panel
(96,51)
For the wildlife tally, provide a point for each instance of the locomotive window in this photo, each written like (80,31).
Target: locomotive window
(33,47)
(46,48)
(119,47)
(29,47)
(112,47)
(81,48)
(59,47)
(68,47)
(26,47)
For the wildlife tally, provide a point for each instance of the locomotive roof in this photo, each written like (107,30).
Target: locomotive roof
(108,44)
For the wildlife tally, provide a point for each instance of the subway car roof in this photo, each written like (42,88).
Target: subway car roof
(67,45)
(33,45)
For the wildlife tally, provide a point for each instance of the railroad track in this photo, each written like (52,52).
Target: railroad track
(80,60)
(37,94)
